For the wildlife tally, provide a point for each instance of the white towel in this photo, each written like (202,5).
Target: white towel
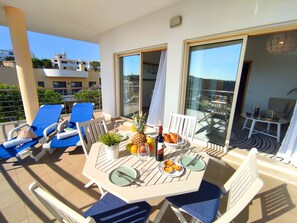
(67,134)
(15,142)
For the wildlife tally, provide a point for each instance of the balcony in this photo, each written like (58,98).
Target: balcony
(61,174)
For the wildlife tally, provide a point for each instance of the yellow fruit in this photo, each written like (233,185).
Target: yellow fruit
(128,146)
(133,128)
(150,140)
(134,149)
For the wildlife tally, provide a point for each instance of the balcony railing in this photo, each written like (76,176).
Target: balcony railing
(11,106)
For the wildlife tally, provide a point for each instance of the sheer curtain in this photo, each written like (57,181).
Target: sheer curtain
(156,112)
(288,149)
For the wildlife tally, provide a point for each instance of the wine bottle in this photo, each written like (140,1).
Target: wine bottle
(257,111)
(159,145)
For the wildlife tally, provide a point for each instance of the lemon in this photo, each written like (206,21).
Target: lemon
(133,128)
(150,140)
(134,149)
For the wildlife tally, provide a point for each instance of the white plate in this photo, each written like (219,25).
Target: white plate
(173,173)
(149,130)
(176,145)
(123,136)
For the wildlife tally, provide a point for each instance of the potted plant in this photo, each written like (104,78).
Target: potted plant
(111,142)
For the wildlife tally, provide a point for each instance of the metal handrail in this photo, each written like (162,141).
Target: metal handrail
(11,106)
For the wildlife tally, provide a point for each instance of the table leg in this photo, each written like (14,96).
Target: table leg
(244,124)
(278,132)
(162,211)
(268,127)
(252,128)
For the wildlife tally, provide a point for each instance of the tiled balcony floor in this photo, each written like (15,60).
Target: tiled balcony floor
(61,174)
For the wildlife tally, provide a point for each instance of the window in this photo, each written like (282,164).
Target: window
(60,87)
(59,84)
(92,83)
(76,86)
(40,83)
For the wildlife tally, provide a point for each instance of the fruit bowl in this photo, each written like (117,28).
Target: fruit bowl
(132,148)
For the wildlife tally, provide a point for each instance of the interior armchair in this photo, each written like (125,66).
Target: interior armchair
(282,108)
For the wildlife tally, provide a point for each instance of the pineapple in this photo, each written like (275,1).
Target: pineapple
(139,123)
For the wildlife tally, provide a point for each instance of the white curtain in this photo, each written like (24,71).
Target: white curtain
(288,149)
(156,112)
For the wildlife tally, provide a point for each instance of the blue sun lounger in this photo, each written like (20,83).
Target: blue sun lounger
(81,112)
(43,125)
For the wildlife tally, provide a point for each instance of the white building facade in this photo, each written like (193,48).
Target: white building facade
(61,62)
(4,54)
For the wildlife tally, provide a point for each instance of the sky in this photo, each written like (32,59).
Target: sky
(45,46)
(218,62)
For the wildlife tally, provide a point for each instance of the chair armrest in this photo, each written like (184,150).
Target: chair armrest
(62,125)
(46,131)
(10,133)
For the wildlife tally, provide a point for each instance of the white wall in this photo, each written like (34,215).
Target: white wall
(272,75)
(200,18)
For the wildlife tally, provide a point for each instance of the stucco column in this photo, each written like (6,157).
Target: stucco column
(18,34)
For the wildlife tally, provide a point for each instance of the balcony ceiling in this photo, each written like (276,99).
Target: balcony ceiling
(78,19)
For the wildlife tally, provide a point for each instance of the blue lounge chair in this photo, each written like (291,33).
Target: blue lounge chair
(81,112)
(43,125)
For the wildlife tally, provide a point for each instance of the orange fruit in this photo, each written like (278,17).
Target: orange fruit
(134,149)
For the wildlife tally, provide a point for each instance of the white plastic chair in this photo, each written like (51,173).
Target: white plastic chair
(89,133)
(203,205)
(182,124)
(108,209)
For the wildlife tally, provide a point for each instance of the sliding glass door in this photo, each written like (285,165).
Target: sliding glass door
(211,83)
(138,74)
(129,84)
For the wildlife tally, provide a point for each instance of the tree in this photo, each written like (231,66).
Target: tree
(46,96)
(47,63)
(9,58)
(11,106)
(90,95)
(37,63)
(95,65)
(44,63)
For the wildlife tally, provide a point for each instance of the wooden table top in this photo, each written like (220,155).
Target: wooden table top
(152,184)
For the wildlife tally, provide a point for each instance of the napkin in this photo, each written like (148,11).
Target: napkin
(15,142)
(67,134)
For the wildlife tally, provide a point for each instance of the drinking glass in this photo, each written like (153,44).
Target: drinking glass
(143,154)
(183,140)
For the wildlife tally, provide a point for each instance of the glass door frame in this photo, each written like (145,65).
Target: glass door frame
(200,42)
(117,57)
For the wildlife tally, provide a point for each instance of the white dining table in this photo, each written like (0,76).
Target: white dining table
(153,183)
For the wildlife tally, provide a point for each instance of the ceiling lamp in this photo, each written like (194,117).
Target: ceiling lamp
(280,43)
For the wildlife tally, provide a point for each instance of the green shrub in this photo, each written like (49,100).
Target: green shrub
(90,95)
(110,139)
(11,106)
